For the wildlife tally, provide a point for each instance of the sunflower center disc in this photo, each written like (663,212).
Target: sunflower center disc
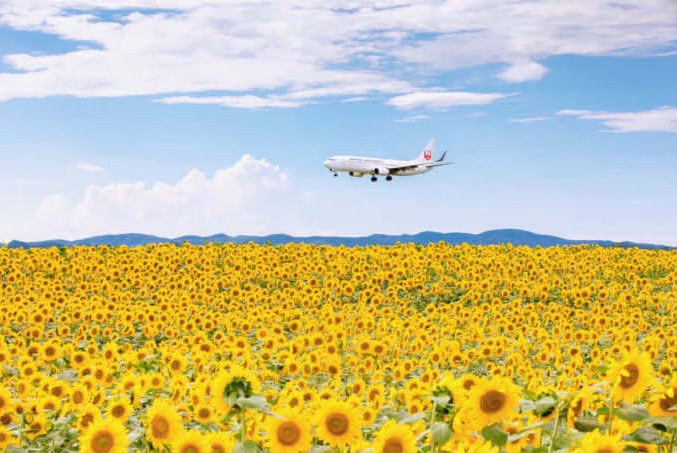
(667,402)
(160,427)
(633,374)
(393,446)
(337,424)
(492,401)
(102,442)
(288,433)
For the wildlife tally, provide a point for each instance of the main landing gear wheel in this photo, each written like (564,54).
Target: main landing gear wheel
(389,178)
(374,179)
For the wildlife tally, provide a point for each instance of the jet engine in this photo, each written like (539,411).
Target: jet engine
(356,174)
(381,171)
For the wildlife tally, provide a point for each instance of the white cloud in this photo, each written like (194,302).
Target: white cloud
(355,99)
(530,119)
(296,98)
(442,99)
(662,119)
(252,196)
(523,71)
(412,119)
(90,168)
(495,31)
(366,84)
(302,49)
(242,102)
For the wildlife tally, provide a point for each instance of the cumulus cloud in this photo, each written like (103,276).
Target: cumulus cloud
(439,100)
(495,31)
(523,71)
(662,119)
(299,50)
(246,197)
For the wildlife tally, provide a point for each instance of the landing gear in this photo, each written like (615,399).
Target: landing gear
(374,179)
(335,174)
(389,178)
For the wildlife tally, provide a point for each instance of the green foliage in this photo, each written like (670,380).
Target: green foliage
(495,434)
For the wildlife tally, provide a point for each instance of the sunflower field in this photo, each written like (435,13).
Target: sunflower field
(309,348)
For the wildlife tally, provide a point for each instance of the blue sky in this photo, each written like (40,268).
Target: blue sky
(205,118)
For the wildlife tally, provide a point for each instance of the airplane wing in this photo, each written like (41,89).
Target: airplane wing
(406,167)
(436,163)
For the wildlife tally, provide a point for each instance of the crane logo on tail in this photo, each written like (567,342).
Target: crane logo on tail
(427,154)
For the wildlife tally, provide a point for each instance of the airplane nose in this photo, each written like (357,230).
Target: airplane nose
(326,163)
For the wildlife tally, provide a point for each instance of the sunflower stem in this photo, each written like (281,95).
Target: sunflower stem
(672,441)
(243,423)
(611,413)
(432,420)
(555,429)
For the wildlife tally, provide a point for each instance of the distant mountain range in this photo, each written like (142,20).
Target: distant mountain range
(515,237)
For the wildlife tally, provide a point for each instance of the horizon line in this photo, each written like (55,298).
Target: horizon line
(162,238)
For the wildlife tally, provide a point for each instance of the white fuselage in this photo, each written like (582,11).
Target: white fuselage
(359,166)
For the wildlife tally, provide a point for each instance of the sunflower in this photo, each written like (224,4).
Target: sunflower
(546,413)
(461,424)
(665,403)
(177,364)
(87,414)
(163,423)
(476,446)
(119,408)
(231,384)
(368,416)
(191,441)
(525,439)
(105,436)
(204,412)
(644,448)
(462,385)
(220,442)
(337,423)
(5,399)
(596,442)
(494,400)
(393,437)
(631,375)
(579,403)
(7,437)
(376,395)
(7,418)
(449,387)
(289,434)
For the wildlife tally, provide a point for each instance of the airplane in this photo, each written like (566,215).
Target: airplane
(358,166)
